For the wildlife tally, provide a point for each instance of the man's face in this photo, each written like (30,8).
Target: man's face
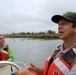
(2,41)
(65,29)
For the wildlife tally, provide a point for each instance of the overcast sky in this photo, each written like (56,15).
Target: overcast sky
(31,15)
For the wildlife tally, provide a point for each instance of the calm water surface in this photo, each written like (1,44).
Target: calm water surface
(32,50)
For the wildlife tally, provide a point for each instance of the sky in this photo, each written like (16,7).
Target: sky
(31,15)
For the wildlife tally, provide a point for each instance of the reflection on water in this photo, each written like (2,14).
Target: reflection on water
(32,50)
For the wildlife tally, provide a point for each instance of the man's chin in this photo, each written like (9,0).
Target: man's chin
(61,37)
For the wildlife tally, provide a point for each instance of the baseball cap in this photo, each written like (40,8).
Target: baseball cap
(71,16)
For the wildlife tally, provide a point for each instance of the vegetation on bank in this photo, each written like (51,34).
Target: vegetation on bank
(41,35)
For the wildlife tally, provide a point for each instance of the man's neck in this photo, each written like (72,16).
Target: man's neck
(68,43)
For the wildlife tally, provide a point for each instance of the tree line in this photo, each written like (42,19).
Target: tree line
(41,35)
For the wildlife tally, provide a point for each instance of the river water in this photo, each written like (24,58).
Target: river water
(32,50)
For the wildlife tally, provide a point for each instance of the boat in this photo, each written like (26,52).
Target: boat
(9,68)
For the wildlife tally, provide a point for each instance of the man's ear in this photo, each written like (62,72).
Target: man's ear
(75,29)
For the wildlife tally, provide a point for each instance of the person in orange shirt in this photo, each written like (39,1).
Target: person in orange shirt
(63,60)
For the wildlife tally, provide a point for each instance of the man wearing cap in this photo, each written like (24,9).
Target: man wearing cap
(63,60)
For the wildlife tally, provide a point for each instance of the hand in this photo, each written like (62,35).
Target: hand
(24,71)
(34,69)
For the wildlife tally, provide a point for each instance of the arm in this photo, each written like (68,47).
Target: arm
(31,70)
(24,71)
(11,55)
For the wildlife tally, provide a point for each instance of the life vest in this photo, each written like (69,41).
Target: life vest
(4,53)
(62,64)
